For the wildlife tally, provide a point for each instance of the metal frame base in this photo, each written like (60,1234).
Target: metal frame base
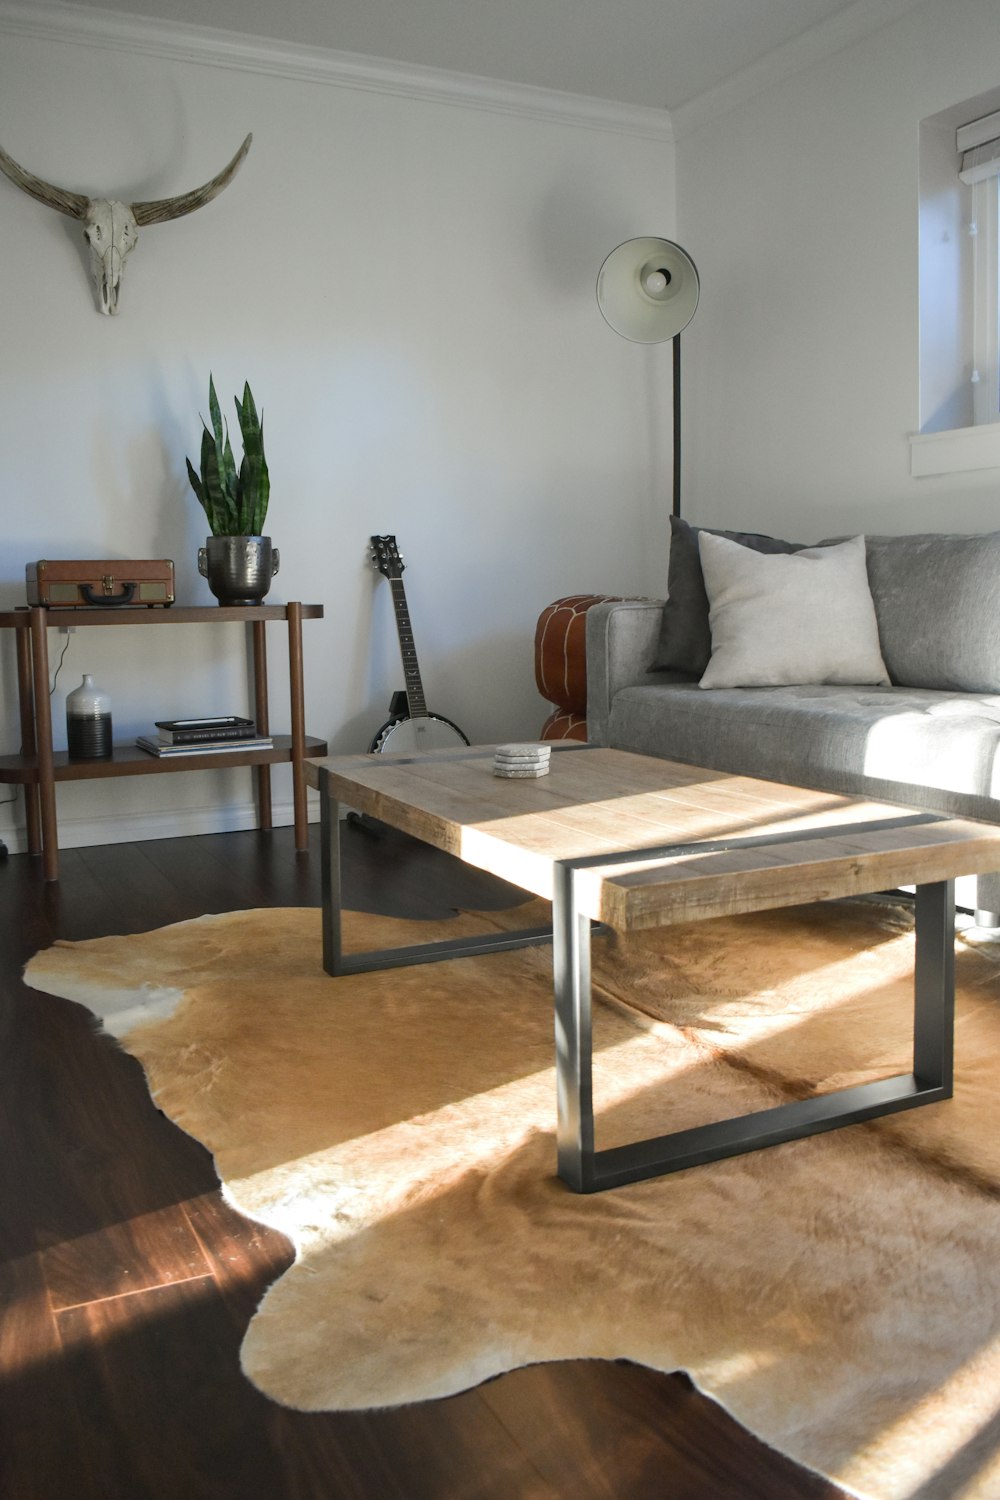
(336,961)
(586,1169)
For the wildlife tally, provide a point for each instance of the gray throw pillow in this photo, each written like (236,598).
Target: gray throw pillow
(937,598)
(779,621)
(685,643)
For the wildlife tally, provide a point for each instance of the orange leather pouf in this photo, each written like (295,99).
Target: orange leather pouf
(561,663)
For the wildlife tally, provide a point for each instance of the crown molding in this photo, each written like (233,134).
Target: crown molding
(823,40)
(207,46)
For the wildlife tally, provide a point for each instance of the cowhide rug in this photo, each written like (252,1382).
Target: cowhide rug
(840,1295)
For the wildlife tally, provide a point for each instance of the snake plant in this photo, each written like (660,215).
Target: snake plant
(234,502)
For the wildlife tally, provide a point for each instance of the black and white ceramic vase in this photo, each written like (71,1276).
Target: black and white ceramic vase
(88,722)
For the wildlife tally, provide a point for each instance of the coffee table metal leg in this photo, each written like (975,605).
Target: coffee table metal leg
(574,1038)
(329,834)
(336,961)
(934,986)
(587,1170)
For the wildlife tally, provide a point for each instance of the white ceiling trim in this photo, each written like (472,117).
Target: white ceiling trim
(823,40)
(223,49)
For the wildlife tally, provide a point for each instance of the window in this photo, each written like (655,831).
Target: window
(959,289)
(979,144)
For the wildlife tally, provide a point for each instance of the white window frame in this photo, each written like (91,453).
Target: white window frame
(986,302)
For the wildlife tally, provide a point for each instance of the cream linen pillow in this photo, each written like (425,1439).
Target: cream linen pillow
(802,617)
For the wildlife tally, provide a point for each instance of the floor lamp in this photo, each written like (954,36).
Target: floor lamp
(648,290)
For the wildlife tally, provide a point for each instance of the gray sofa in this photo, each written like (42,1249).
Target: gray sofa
(929,739)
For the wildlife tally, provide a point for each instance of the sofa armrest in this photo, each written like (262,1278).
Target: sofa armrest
(622,637)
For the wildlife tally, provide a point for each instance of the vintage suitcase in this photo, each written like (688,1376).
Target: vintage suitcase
(65,584)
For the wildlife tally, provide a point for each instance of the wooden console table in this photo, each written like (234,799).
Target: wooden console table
(38,768)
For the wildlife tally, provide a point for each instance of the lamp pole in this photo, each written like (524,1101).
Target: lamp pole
(677,425)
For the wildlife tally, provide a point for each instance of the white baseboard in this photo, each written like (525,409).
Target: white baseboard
(85,833)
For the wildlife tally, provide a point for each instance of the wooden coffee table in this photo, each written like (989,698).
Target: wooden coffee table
(633,842)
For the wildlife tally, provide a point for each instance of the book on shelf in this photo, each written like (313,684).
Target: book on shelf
(199,731)
(155,746)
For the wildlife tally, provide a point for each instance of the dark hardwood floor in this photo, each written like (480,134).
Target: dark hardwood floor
(126,1283)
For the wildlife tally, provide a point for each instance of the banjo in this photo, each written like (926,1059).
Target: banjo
(409,726)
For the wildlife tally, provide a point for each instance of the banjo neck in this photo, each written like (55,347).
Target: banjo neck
(415,701)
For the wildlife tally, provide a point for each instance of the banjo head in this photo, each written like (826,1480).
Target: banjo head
(418,735)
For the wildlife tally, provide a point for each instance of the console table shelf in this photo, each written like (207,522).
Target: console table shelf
(38,768)
(129,760)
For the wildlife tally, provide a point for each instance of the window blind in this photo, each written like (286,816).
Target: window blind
(979,144)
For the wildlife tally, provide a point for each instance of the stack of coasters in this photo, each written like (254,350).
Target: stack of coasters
(521,760)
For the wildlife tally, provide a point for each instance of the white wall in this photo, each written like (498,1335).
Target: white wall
(408,285)
(800,208)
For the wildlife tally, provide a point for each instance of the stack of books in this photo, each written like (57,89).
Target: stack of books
(203,736)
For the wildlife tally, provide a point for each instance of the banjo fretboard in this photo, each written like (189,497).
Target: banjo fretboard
(415,701)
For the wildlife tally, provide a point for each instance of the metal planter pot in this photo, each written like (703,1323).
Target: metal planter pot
(239,569)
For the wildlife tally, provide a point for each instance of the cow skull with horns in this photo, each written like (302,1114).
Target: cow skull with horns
(111,228)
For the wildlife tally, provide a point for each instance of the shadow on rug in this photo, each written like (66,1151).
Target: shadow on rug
(840,1296)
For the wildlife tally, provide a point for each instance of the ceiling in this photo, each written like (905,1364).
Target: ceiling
(658,53)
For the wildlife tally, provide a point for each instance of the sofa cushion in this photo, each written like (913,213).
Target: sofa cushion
(937,598)
(908,745)
(685,643)
(801,618)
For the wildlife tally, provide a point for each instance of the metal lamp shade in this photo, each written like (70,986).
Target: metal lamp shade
(648,290)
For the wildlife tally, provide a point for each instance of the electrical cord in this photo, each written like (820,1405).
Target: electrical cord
(59,663)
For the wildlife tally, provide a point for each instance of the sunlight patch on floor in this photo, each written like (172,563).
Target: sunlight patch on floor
(944,1426)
